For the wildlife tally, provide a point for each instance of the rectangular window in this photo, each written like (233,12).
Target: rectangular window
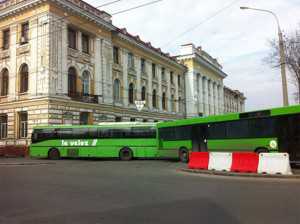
(143,65)
(130,61)
(23,124)
(3,126)
(163,73)
(118,119)
(153,70)
(116,55)
(24,33)
(72,38)
(178,80)
(172,77)
(6,38)
(85,118)
(85,39)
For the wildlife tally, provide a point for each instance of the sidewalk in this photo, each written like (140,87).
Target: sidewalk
(296,174)
(23,161)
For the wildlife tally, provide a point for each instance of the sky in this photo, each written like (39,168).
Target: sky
(239,39)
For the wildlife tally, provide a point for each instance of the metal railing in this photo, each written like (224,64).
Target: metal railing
(82,97)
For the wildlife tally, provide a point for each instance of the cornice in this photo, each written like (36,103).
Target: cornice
(65,4)
(18,7)
(203,62)
(143,47)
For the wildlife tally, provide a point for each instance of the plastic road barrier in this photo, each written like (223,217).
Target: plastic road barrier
(244,162)
(274,163)
(220,161)
(198,160)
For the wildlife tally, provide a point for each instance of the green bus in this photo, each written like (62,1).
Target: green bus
(274,130)
(108,140)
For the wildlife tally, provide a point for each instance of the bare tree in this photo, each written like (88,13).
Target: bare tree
(292,50)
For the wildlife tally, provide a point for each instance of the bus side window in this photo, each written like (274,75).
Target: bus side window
(105,133)
(217,131)
(81,133)
(65,133)
(93,133)
(237,129)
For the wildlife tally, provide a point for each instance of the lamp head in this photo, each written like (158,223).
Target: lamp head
(243,7)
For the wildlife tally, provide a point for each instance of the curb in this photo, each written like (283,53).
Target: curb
(26,164)
(231,174)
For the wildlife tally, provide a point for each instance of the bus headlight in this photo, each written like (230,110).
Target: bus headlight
(273,144)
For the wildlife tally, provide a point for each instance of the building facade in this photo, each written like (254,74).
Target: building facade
(64,62)
(234,101)
(204,82)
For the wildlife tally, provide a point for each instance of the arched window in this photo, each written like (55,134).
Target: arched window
(86,83)
(72,81)
(163,101)
(131,93)
(4,82)
(154,99)
(116,89)
(23,88)
(143,93)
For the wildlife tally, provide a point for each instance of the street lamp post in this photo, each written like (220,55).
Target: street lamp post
(282,55)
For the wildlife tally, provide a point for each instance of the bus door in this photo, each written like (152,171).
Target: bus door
(199,138)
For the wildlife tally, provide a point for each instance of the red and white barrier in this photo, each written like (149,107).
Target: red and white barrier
(274,163)
(249,162)
(220,161)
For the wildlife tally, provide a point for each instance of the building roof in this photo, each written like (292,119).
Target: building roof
(148,45)
(236,93)
(94,14)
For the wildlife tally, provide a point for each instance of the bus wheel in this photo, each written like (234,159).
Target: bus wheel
(183,155)
(126,154)
(261,150)
(53,154)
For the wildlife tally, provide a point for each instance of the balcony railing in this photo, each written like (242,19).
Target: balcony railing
(86,98)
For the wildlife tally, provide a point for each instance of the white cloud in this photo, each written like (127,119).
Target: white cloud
(236,37)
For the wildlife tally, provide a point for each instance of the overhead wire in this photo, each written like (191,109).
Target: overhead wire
(202,22)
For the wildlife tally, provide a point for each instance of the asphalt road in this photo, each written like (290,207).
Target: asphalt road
(138,192)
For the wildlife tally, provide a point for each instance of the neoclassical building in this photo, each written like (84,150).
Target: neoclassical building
(64,62)
(204,82)
(234,101)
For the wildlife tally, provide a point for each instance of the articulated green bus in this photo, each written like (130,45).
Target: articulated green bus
(274,130)
(109,140)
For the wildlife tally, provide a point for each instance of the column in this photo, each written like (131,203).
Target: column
(98,67)
(176,96)
(107,79)
(13,72)
(63,66)
(149,88)
(137,62)
(221,102)
(125,77)
(217,99)
(206,101)
(79,41)
(213,98)
(34,56)
(169,103)
(200,95)
(159,88)
(189,94)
